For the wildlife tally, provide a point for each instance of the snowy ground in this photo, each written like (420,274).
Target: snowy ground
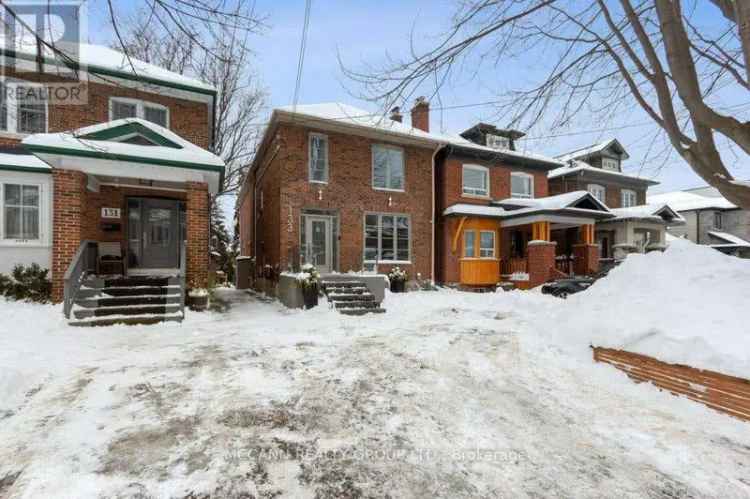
(448,394)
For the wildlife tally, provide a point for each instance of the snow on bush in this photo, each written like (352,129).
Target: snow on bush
(688,305)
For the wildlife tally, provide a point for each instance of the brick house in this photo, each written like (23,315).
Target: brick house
(637,226)
(127,166)
(347,190)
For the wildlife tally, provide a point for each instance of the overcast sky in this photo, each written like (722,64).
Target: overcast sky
(363,31)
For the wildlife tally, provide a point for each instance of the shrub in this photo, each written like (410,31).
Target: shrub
(27,283)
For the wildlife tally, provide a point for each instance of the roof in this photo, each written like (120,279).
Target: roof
(730,239)
(593,149)
(349,115)
(99,59)
(557,202)
(649,212)
(21,160)
(488,128)
(568,203)
(689,201)
(581,166)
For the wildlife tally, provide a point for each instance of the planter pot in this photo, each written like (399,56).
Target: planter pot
(398,286)
(310,296)
(198,303)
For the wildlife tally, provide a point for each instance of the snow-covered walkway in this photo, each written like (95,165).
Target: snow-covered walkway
(446,395)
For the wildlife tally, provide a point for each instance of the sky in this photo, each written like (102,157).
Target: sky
(361,32)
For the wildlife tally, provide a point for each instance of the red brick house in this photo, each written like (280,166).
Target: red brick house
(347,190)
(123,175)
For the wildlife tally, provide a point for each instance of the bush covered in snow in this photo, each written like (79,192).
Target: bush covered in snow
(27,283)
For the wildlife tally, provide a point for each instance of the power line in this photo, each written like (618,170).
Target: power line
(301,60)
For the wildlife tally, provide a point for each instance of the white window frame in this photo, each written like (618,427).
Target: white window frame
(140,107)
(523,175)
(494,244)
(380,216)
(494,141)
(13,108)
(309,158)
(41,214)
(615,161)
(478,168)
(624,194)
(591,188)
(388,173)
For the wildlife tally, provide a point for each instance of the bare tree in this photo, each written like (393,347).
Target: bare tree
(675,64)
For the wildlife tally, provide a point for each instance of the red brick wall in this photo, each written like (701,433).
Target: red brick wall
(244,217)
(586,260)
(198,230)
(267,228)
(613,196)
(541,261)
(68,220)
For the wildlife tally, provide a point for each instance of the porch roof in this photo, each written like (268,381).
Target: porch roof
(17,159)
(109,149)
(656,212)
(730,240)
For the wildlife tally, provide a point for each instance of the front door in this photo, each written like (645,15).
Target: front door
(153,233)
(318,244)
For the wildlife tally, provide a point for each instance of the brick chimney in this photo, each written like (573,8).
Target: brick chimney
(420,114)
(396,114)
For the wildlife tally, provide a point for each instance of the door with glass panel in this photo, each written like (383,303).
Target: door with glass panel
(154,229)
(318,242)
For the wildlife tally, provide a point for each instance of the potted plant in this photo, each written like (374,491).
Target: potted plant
(397,279)
(309,280)
(198,299)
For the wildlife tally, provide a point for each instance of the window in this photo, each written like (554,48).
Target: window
(486,244)
(610,164)
(23,108)
(387,237)
(120,107)
(629,198)
(498,141)
(387,168)
(469,243)
(521,185)
(21,211)
(718,222)
(598,191)
(318,167)
(476,180)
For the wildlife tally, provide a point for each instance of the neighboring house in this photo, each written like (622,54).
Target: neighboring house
(347,190)
(129,167)
(710,219)
(637,226)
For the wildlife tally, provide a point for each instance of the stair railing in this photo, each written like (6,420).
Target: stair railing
(183,277)
(84,261)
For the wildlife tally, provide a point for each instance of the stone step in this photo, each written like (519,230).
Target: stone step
(88,292)
(162,299)
(361,311)
(355,304)
(350,296)
(337,291)
(343,284)
(127,320)
(81,313)
(137,281)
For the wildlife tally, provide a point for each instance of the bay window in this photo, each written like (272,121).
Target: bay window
(476,180)
(487,244)
(387,237)
(521,185)
(387,168)
(469,243)
(21,212)
(121,107)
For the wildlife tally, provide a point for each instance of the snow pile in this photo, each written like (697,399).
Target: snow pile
(687,305)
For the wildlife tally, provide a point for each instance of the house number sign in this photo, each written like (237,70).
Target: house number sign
(110,212)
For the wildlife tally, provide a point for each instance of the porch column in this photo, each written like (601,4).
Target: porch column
(541,261)
(540,231)
(68,223)
(197,232)
(586,252)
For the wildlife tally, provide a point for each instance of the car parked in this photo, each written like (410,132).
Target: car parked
(562,288)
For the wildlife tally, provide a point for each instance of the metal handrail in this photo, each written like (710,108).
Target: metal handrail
(183,275)
(79,266)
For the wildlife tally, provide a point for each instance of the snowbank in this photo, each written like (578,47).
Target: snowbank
(687,305)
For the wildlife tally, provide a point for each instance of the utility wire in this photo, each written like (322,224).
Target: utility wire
(301,60)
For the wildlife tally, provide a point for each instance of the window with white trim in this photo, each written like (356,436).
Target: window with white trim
(476,180)
(387,168)
(21,212)
(521,185)
(121,107)
(23,107)
(497,141)
(318,165)
(598,191)
(470,243)
(718,220)
(629,198)
(387,237)
(487,244)
(610,164)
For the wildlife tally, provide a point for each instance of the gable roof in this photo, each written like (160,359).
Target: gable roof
(656,212)
(576,166)
(689,201)
(593,149)
(580,203)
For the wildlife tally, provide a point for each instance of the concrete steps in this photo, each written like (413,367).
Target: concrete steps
(351,297)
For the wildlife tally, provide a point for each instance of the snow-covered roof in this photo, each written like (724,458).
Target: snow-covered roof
(592,149)
(514,207)
(99,57)
(730,239)
(578,166)
(557,202)
(353,116)
(688,201)
(648,212)
(22,161)
(474,209)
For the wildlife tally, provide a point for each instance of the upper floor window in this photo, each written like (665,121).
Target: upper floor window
(476,180)
(598,191)
(629,198)
(318,167)
(610,164)
(120,107)
(521,185)
(718,220)
(387,168)
(23,107)
(498,141)
(21,213)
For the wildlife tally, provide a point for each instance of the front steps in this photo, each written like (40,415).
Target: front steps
(351,297)
(127,300)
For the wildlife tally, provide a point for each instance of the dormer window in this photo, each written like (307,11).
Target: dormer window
(610,164)
(497,141)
